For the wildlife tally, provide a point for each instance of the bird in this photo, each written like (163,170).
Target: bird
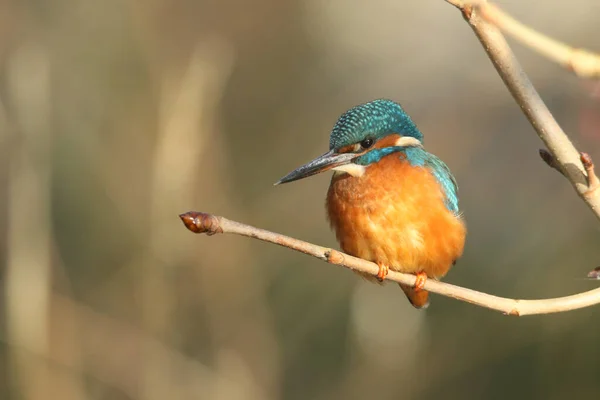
(390,201)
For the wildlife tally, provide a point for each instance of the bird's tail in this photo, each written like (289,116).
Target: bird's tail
(418,298)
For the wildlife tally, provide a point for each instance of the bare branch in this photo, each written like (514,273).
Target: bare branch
(211,224)
(559,146)
(583,63)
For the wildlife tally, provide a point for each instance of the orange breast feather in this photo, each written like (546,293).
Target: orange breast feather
(395,215)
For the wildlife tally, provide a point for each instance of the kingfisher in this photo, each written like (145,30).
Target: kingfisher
(390,201)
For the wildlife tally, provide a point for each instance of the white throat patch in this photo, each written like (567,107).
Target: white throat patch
(352,169)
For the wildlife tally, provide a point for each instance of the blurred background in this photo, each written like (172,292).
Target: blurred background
(116,116)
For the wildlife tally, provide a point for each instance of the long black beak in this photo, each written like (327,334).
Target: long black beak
(322,163)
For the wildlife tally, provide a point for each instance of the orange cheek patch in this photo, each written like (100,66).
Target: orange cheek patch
(388,141)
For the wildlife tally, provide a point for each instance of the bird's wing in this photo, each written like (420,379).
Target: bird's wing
(442,173)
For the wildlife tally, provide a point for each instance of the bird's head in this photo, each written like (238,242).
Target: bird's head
(362,136)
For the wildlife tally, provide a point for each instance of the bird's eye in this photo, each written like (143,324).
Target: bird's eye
(365,144)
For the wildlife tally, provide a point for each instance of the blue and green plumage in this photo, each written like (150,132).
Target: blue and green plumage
(375,119)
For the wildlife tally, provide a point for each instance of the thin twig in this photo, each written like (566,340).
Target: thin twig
(211,224)
(583,63)
(563,152)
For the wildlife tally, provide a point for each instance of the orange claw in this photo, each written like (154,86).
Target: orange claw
(383,271)
(420,282)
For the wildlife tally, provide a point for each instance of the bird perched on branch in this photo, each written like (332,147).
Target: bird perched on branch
(390,201)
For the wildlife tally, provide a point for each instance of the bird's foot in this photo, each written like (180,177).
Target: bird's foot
(383,271)
(420,282)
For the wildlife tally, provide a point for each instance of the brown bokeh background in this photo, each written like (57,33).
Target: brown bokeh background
(116,116)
